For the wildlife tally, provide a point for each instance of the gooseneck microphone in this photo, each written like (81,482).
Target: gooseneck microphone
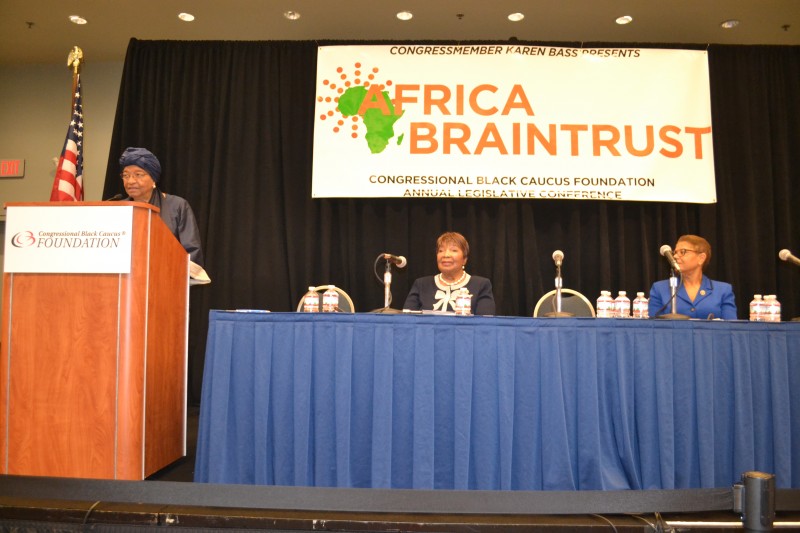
(390,259)
(666,251)
(786,255)
(117,197)
(398,260)
(558,257)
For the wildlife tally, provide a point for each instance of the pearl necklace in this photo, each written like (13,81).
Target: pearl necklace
(449,283)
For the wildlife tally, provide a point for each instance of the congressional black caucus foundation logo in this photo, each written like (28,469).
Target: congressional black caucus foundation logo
(23,239)
(67,239)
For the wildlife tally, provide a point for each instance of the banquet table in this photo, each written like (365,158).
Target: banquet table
(497,403)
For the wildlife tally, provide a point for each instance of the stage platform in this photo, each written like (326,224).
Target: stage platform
(54,504)
(169,499)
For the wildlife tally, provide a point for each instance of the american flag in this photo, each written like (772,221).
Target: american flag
(68,184)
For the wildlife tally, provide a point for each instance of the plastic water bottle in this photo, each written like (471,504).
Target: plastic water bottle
(622,305)
(773,308)
(640,309)
(463,302)
(311,301)
(605,305)
(757,308)
(330,300)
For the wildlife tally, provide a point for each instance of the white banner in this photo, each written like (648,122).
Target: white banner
(510,121)
(68,239)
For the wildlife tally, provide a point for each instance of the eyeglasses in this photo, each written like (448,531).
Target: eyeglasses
(683,251)
(133,176)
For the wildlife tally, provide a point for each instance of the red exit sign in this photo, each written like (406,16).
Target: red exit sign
(12,168)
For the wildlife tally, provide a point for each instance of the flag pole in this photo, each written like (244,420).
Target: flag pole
(74,62)
(68,182)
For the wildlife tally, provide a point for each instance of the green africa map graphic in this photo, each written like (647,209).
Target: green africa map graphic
(356,95)
(380,127)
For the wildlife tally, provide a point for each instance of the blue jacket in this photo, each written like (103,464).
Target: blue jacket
(715,299)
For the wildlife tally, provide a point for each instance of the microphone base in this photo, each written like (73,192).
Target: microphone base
(559,314)
(674,316)
(386,310)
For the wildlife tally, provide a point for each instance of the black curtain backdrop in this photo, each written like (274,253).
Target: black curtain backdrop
(232,123)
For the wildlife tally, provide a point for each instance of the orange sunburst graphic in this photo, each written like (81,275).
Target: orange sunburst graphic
(346,82)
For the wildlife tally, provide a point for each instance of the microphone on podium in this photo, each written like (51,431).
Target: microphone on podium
(666,251)
(117,197)
(786,255)
(398,260)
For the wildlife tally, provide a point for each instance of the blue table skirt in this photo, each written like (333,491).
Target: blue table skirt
(497,403)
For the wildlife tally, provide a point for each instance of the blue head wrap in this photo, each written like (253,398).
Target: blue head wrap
(143,158)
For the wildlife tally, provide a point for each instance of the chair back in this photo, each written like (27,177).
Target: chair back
(345,302)
(571,302)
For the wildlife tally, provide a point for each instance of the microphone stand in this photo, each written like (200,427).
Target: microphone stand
(673,289)
(558,313)
(387,291)
(387,285)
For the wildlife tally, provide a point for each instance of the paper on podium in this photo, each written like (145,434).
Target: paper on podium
(197,275)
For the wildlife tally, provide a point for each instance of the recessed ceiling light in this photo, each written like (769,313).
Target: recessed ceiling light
(186,17)
(516,17)
(405,15)
(77,19)
(625,19)
(729,24)
(292,15)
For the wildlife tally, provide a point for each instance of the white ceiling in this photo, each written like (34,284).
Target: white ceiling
(38,31)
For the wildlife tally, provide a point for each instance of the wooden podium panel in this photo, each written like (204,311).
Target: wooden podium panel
(93,365)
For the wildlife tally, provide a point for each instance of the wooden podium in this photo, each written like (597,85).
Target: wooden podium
(93,364)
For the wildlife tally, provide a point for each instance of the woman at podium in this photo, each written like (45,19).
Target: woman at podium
(698,296)
(438,293)
(140,171)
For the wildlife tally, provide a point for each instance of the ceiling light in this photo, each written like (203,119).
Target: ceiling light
(405,15)
(292,15)
(186,17)
(730,24)
(77,19)
(625,19)
(516,17)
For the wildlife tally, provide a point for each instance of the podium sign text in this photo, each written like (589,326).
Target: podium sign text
(68,239)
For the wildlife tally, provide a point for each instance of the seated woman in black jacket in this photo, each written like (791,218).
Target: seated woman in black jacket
(438,293)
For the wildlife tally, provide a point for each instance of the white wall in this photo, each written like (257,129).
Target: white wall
(36,110)
(35,106)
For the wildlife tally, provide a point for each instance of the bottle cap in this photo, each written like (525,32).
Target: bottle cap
(640,294)
(331,286)
(605,293)
(622,293)
(311,289)
(757,296)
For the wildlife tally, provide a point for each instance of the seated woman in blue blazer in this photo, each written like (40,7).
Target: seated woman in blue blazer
(698,296)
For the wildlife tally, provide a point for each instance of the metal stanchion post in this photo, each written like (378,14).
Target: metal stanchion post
(758,505)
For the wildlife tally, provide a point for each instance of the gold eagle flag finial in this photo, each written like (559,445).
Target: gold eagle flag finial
(74,59)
